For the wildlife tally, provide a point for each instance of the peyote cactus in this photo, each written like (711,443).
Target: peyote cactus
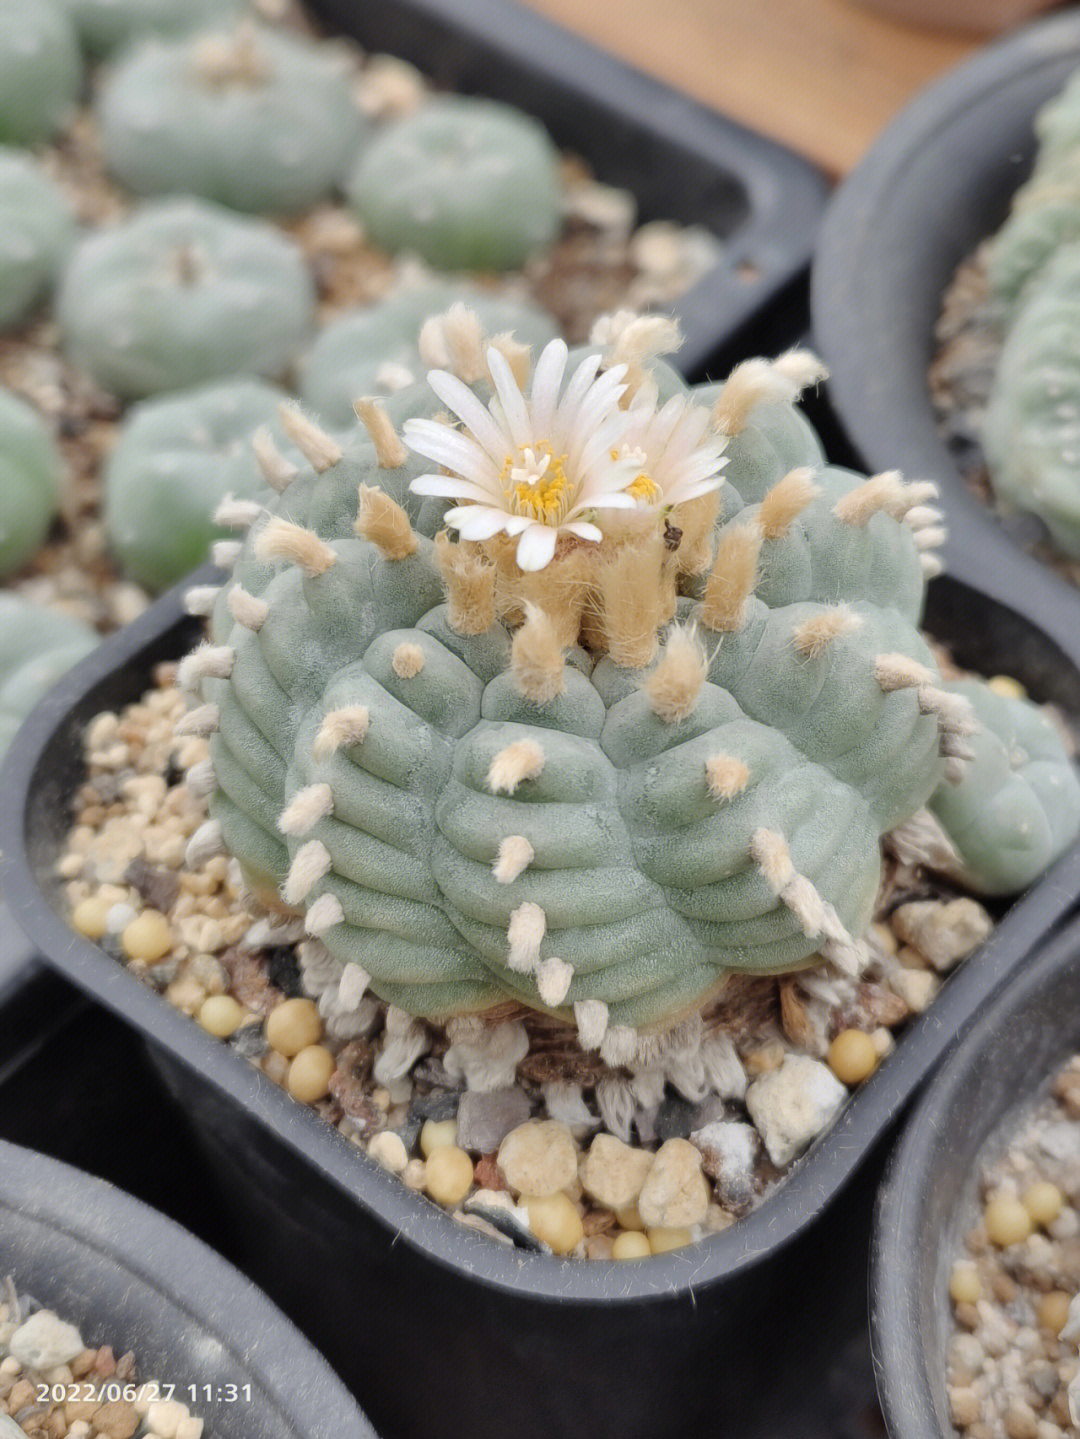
(37,646)
(29,481)
(466,184)
(1031,431)
(40,70)
(177,460)
(181,294)
(37,229)
(284,103)
(108,26)
(376,350)
(529,708)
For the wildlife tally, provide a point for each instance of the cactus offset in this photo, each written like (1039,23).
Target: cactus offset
(37,229)
(40,70)
(30,468)
(498,735)
(36,647)
(106,27)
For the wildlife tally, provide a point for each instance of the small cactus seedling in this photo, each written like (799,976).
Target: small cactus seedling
(29,481)
(40,70)
(520,704)
(179,461)
(1015,809)
(1031,431)
(106,27)
(254,120)
(37,229)
(466,184)
(37,646)
(383,348)
(183,293)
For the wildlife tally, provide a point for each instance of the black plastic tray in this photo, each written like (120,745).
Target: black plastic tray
(938,181)
(928,1197)
(728,1334)
(681,160)
(126,1276)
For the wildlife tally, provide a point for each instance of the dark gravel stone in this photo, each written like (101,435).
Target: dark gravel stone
(409,1131)
(283,970)
(249,1041)
(508,1223)
(675,1118)
(430,1074)
(158,887)
(708,1111)
(438,1105)
(484,1120)
(162,975)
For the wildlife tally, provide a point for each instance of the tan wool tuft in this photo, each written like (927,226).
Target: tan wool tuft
(522,760)
(311,863)
(536,658)
(752,383)
(901,672)
(813,636)
(675,684)
(725,776)
(514,857)
(633,601)
(553,979)
(528,925)
(516,354)
(732,579)
(407,660)
(773,858)
(237,514)
(225,553)
(280,539)
(206,661)
(381,520)
(785,502)
(884,492)
(246,609)
(276,470)
(696,519)
(201,599)
(307,806)
(591,1017)
(341,728)
(454,341)
(323,915)
(319,448)
(470,586)
(802,367)
(389,451)
(201,721)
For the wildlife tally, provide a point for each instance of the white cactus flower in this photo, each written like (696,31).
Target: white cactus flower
(530,467)
(676,457)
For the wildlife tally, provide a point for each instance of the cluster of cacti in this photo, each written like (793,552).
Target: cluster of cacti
(526,702)
(37,229)
(106,27)
(29,481)
(382,348)
(40,70)
(1031,429)
(251,119)
(177,459)
(183,293)
(37,646)
(466,184)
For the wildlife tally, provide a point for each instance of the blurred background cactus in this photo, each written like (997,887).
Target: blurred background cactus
(37,646)
(40,70)
(30,470)
(108,26)
(285,105)
(37,230)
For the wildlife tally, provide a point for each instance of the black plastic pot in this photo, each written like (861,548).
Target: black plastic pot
(680,160)
(929,1195)
(938,181)
(728,1337)
(128,1277)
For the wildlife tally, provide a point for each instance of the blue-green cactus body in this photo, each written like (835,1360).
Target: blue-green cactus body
(37,646)
(37,229)
(106,27)
(466,184)
(40,70)
(1031,433)
(30,470)
(176,460)
(182,294)
(254,120)
(374,351)
(1017,807)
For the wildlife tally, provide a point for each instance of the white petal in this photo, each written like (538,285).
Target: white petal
(468,408)
(450,487)
(511,400)
(480,522)
(547,378)
(584,530)
(536,547)
(454,450)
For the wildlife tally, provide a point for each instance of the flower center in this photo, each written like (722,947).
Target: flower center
(536,484)
(644,489)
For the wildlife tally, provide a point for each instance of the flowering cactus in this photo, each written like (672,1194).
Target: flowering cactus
(466,184)
(37,646)
(108,26)
(529,702)
(40,70)
(29,481)
(284,103)
(181,294)
(177,459)
(37,229)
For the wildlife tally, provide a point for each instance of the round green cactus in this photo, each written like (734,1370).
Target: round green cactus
(376,350)
(40,70)
(29,481)
(466,184)
(597,734)
(108,26)
(178,459)
(37,229)
(37,646)
(183,293)
(1031,432)
(284,103)
(1017,808)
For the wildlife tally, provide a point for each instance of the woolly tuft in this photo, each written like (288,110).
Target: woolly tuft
(389,451)
(553,978)
(381,520)
(813,636)
(311,863)
(732,579)
(303,812)
(237,514)
(201,599)
(514,857)
(246,609)
(725,776)
(470,586)
(536,658)
(528,925)
(591,1017)
(522,760)
(323,915)
(407,660)
(206,661)
(340,729)
(276,470)
(675,684)
(455,342)
(319,448)
(281,540)
(201,722)
(632,602)
(785,502)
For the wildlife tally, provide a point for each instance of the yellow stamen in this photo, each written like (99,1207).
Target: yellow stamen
(536,484)
(644,489)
